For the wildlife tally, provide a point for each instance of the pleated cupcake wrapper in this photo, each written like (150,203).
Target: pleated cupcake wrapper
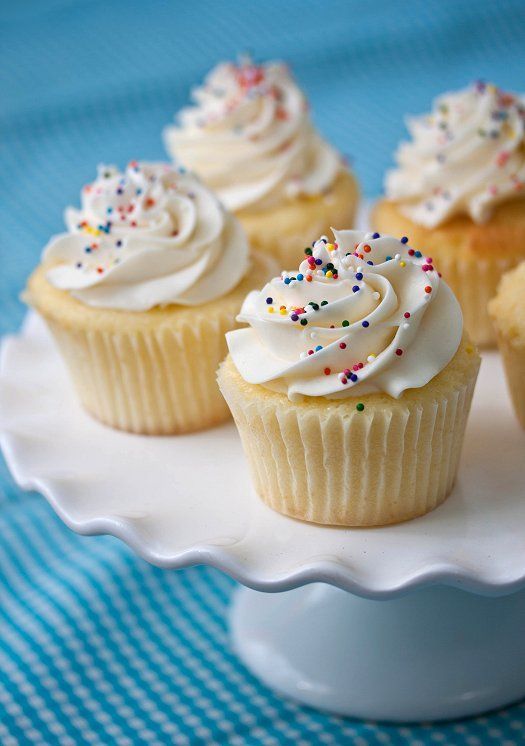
(474,283)
(159,381)
(354,469)
(514,365)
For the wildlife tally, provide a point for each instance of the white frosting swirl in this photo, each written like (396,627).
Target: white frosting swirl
(364,314)
(151,236)
(250,138)
(464,157)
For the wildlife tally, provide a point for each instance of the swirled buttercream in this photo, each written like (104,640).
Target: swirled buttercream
(465,157)
(153,235)
(250,138)
(363,314)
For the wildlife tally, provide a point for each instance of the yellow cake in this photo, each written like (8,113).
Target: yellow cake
(459,194)
(507,311)
(295,221)
(471,257)
(250,138)
(138,361)
(352,406)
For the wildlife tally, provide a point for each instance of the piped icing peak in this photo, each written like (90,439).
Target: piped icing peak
(250,138)
(151,235)
(364,313)
(464,157)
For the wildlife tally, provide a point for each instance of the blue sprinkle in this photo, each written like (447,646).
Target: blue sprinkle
(359,276)
(119,244)
(355,288)
(418,254)
(88,249)
(319,347)
(300,277)
(404,239)
(388,258)
(366,323)
(109,209)
(79,264)
(370,262)
(353,377)
(286,280)
(269,301)
(375,235)
(318,261)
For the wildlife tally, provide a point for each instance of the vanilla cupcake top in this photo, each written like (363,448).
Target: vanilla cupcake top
(364,314)
(150,236)
(250,138)
(464,158)
(507,308)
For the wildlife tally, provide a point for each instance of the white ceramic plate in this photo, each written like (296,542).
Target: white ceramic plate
(188,500)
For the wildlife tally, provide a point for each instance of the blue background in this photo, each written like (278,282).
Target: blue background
(95,645)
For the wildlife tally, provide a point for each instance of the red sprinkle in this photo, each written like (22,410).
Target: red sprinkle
(342,345)
(428,289)
(327,371)
(399,351)
(406,315)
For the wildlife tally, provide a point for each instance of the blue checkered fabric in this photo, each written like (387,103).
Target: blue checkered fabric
(96,646)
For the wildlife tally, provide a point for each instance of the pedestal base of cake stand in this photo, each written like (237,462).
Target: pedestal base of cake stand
(434,654)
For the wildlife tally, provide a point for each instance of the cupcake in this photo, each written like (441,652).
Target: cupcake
(459,193)
(250,138)
(138,294)
(352,384)
(507,311)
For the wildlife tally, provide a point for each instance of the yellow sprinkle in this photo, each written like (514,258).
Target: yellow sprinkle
(282,311)
(270,310)
(402,264)
(330,246)
(329,273)
(469,349)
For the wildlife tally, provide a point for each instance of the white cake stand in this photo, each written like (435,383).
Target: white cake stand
(419,621)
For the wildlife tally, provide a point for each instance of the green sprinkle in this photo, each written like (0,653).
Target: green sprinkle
(324,302)
(304,322)
(360,407)
(308,252)
(346,323)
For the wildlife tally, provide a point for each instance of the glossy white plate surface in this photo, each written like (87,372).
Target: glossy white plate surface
(188,499)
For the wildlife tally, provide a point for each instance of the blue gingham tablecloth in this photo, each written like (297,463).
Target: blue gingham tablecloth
(96,646)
